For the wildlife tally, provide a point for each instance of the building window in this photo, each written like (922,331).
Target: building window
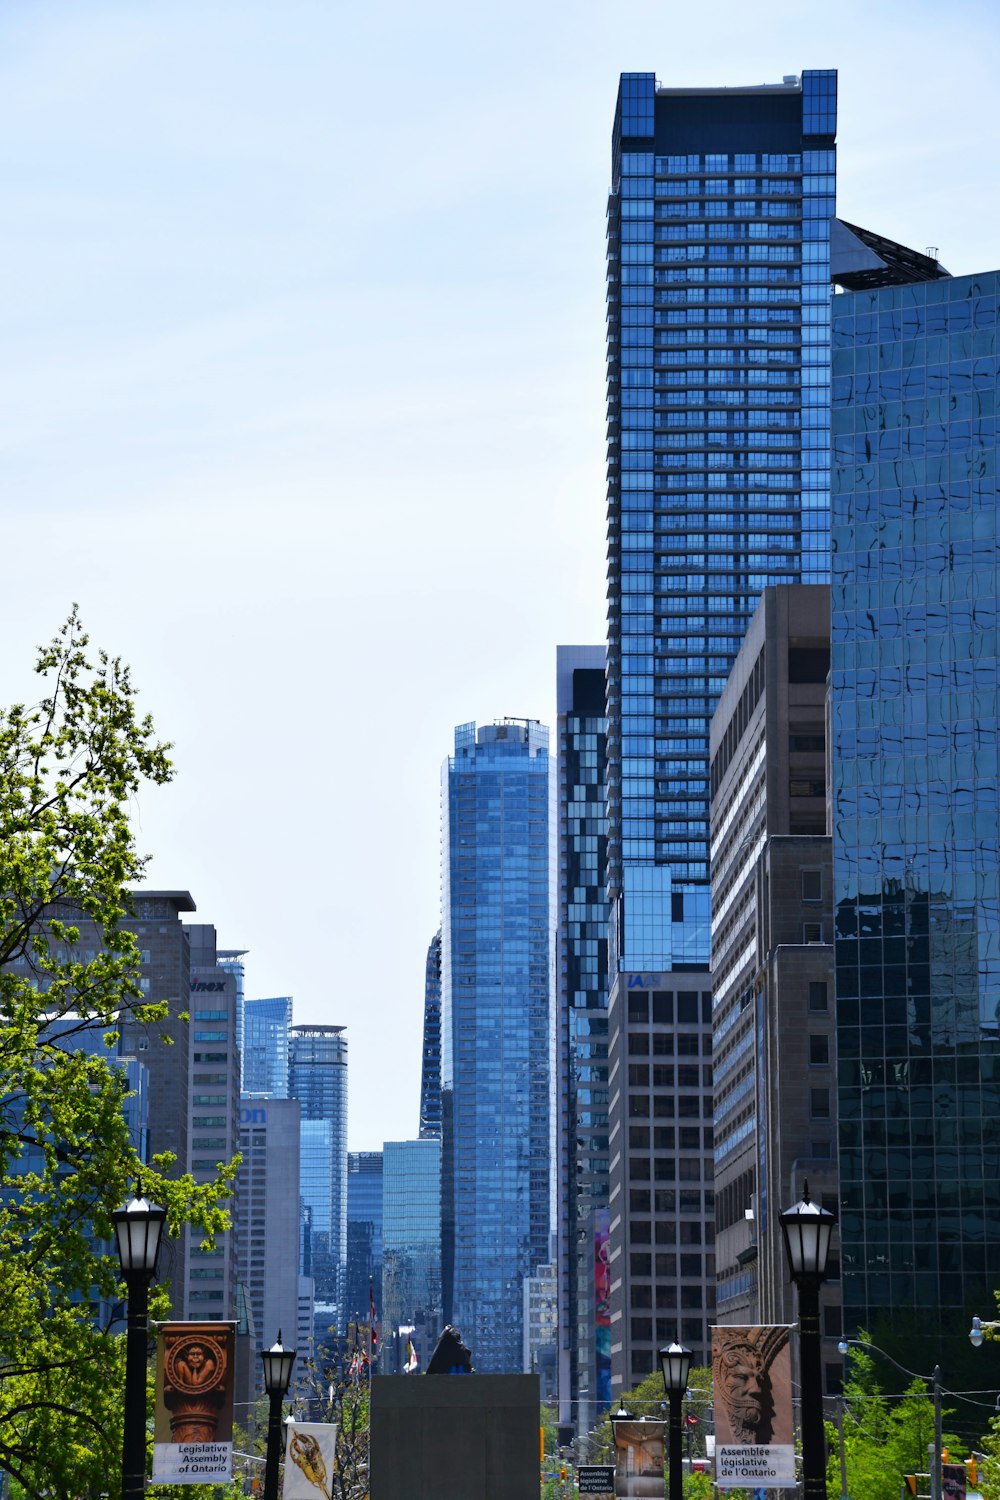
(818,999)
(812,885)
(819,1104)
(812,932)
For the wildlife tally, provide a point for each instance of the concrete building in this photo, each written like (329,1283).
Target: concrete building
(541,1328)
(774,1035)
(267,1189)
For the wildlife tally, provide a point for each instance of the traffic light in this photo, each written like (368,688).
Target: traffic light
(562,1475)
(972,1472)
(911,1483)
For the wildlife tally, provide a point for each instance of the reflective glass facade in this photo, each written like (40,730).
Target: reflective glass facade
(584,1343)
(317,1077)
(364,1232)
(718,431)
(411,1249)
(430,1072)
(495,942)
(916,723)
(266,1024)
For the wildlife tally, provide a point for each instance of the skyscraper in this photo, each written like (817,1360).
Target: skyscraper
(718,392)
(267,1026)
(495,943)
(364,1232)
(718,388)
(411,1250)
(916,740)
(584,1343)
(430,1073)
(772,954)
(317,1078)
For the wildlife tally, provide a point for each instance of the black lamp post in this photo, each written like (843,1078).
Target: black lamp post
(277,1364)
(675,1362)
(806,1229)
(138,1231)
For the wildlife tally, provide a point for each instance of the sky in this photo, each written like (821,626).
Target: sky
(303,402)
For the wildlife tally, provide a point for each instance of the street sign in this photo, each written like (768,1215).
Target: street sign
(596,1479)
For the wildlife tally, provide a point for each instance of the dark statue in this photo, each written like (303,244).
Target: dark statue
(451,1356)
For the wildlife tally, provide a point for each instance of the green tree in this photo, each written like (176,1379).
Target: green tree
(885,1437)
(69,769)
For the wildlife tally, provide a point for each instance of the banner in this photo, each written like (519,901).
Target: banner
(639,1450)
(309,1460)
(193,1433)
(752,1378)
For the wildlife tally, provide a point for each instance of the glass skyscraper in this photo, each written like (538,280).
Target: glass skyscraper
(718,408)
(495,947)
(916,758)
(364,1232)
(411,1250)
(317,1078)
(430,1071)
(718,486)
(584,1344)
(266,1027)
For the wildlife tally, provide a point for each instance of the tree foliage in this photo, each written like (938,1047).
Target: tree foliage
(885,1436)
(69,768)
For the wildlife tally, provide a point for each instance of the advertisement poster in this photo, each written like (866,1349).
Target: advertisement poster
(193,1435)
(754,1437)
(602,1307)
(639,1451)
(309,1460)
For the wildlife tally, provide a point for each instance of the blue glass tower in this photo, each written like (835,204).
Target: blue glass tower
(430,1073)
(718,486)
(495,941)
(916,757)
(718,397)
(364,1232)
(317,1077)
(266,1027)
(584,1360)
(411,1250)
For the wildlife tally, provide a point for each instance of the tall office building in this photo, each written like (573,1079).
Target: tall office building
(430,1072)
(317,1078)
(267,1026)
(718,421)
(495,944)
(214,1071)
(916,740)
(411,1250)
(364,1232)
(267,1189)
(584,1315)
(774,1042)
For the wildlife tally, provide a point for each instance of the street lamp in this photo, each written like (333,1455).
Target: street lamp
(934,1380)
(138,1232)
(978,1330)
(806,1229)
(675,1362)
(277,1364)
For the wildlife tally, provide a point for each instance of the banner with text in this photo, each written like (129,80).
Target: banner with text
(754,1436)
(309,1460)
(193,1433)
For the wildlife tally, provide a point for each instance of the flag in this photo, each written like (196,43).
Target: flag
(412,1362)
(691,1421)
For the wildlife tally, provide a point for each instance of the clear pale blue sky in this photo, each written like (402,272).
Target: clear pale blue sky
(303,317)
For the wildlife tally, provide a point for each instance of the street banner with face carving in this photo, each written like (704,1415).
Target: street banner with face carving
(754,1436)
(193,1433)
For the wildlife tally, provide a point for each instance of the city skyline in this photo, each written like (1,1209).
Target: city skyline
(211,325)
